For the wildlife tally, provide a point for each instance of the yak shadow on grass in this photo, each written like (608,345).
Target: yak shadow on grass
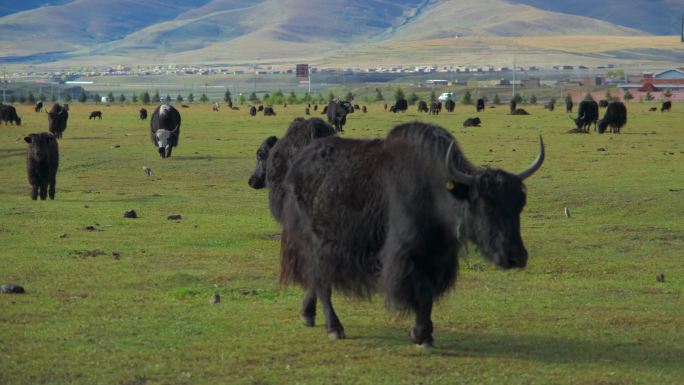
(554,349)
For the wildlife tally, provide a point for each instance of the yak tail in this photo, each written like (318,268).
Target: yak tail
(291,261)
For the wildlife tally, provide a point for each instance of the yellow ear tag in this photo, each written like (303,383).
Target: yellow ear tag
(450,185)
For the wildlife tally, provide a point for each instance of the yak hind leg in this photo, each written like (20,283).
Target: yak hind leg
(421,332)
(34,192)
(332,323)
(51,190)
(43,191)
(308,312)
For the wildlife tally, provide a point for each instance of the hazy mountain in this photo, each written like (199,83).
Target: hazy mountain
(659,17)
(233,30)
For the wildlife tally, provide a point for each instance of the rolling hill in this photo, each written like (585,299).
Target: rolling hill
(221,31)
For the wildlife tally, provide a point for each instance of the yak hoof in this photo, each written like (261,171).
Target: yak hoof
(426,345)
(308,321)
(421,342)
(336,334)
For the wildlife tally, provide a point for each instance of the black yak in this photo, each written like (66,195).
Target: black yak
(392,215)
(568,105)
(268,111)
(450,105)
(400,105)
(422,106)
(587,114)
(337,111)
(435,108)
(143,113)
(615,118)
(472,122)
(513,106)
(480,105)
(261,108)
(252,111)
(603,103)
(8,115)
(39,106)
(165,129)
(273,158)
(364,109)
(667,105)
(95,114)
(519,111)
(306,111)
(42,162)
(550,106)
(57,120)
(315,107)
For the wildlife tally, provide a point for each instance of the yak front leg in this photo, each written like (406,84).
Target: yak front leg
(308,312)
(332,323)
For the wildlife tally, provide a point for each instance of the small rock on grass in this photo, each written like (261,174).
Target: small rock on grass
(660,277)
(11,288)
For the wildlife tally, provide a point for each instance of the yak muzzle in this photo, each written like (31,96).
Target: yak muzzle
(256,183)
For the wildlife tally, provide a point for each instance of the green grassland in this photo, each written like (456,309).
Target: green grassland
(129,303)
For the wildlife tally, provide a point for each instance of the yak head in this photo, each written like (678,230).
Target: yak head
(17,120)
(494,200)
(165,140)
(579,122)
(39,145)
(258,178)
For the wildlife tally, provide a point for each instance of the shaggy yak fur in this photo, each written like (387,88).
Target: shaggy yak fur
(450,105)
(165,129)
(57,120)
(42,161)
(587,114)
(391,215)
(615,118)
(273,158)
(480,106)
(143,114)
(8,115)
(399,105)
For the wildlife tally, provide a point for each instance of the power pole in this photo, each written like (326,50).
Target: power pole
(513,96)
(4,83)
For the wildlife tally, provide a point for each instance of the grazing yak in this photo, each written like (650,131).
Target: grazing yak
(472,122)
(513,106)
(587,114)
(261,108)
(252,111)
(273,158)
(143,113)
(215,107)
(392,216)
(337,111)
(450,105)
(422,106)
(95,114)
(42,161)
(399,105)
(615,118)
(57,120)
(8,115)
(653,109)
(435,107)
(480,105)
(165,129)
(603,103)
(268,111)
(550,106)
(364,109)
(667,106)
(39,106)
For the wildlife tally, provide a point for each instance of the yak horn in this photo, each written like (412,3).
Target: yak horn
(458,175)
(536,164)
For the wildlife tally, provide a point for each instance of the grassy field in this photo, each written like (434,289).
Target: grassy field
(128,303)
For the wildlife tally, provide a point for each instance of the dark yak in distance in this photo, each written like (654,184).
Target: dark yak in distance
(95,114)
(587,114)
(568,105)
(57,120)
(615,118)
(268,111)
(667,105)
(274,157)
(165,129)
(42,162)
(252,111)
(422,106)
(392,216)
(399,105)
(143,113)
(435,107)
(480,106)
(39,106)
(472,122)
(8,115)
(336,112)
(512,106)
(449,105)
(603,103)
